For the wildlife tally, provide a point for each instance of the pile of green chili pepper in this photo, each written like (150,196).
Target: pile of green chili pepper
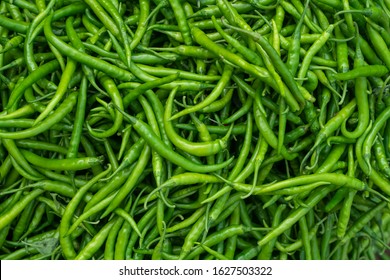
(194,129)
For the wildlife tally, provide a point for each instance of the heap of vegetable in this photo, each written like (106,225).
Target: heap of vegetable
(198,129)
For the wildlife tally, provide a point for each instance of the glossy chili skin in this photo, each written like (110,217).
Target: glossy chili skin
(199,130)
